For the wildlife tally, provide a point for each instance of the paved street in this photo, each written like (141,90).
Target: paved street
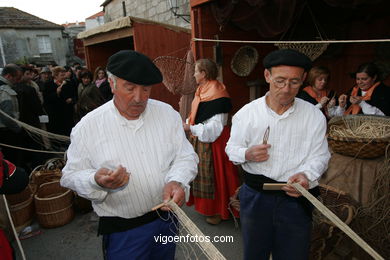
(78,240)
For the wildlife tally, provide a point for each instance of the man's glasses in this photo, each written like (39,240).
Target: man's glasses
(281,83)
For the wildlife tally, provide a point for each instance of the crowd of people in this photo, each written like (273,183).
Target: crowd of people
(29,93)
(147,155)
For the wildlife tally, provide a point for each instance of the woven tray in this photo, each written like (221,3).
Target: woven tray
(364,148)
(53,205)
(244,61)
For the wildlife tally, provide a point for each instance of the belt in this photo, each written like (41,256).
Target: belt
(256,182)
(109,225)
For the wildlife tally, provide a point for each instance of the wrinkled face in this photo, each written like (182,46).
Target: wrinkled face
(101,74)
(364,81)
(321,81)
(200,76)
(129,98)
(284,82)
(86,81)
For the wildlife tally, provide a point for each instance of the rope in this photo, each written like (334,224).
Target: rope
(278,42)
(13,229)
(31,150)
(338,222)
(37,130)
(207,247)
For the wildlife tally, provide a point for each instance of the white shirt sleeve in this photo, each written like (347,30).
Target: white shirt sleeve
(185,164)
(317,161)
(237,146)
(211,129)
(319,106)
(78,174)
(370,110)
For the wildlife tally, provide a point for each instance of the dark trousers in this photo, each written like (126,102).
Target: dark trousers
(140,242)
(273,223)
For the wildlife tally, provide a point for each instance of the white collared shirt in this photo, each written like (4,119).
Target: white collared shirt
(153,149)
(297,139)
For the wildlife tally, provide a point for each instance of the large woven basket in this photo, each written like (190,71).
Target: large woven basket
(53,205)
(364,148)
(22,207)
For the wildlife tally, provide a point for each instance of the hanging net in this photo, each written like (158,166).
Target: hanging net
(311,50)
(178,78)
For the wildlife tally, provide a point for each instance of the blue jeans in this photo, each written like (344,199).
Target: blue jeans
(140,243)
(273,223)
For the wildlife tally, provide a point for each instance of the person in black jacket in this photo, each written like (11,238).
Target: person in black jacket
(101,81)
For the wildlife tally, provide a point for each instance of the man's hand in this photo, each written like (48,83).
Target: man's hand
(257,153)
(296,178)
(173,190)
(112,179)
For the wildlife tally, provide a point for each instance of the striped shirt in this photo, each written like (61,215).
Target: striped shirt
(153,149)
(297,139)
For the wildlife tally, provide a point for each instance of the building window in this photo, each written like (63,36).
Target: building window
(44,44)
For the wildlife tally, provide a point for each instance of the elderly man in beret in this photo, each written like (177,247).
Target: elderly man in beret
(278,139)
(128,156)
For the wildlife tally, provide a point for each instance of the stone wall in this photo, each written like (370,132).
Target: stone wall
(156,10)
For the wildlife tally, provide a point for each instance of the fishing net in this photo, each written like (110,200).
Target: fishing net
(49,142)
(178,78)
(311,50)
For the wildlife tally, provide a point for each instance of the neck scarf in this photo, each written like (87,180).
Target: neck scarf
(310,90)
(98,82)
(355,108)
(211,90)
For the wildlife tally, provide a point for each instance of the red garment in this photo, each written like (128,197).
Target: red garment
(225,179)
(5,248)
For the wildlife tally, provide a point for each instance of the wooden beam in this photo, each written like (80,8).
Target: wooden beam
(109,36)
(194,3)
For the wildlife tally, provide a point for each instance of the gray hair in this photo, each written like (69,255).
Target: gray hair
(113,77)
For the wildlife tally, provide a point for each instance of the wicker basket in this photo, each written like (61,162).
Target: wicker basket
(22,207)
(53,205)
(364,148)
(42,175)
(244,61)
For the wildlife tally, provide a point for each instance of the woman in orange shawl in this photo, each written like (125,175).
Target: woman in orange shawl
(369,96)
(217,177)
(317,92)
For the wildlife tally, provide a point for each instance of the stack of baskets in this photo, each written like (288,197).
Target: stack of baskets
(366,147)
(52,203)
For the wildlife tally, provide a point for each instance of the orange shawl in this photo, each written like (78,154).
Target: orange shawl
(211,90)
(313,94)
(355,108)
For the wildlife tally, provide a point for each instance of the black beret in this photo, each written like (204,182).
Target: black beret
(287,57)
(134,67)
